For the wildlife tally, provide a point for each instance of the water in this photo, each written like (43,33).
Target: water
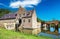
(58,30)
(52,29)
(49,35)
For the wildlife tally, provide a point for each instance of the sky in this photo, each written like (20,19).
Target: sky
(45,9)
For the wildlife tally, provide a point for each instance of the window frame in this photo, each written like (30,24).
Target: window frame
(29,20)
(19,15)
(24,20)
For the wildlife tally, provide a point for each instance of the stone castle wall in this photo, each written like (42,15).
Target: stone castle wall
(8,24)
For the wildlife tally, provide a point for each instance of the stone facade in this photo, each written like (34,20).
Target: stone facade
(21,20)
(8,24)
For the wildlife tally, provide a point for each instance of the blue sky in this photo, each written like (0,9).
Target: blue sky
(45,9)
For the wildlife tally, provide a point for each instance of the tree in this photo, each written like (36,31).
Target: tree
(58,25)
(39,20)
(4,11)
(52,25)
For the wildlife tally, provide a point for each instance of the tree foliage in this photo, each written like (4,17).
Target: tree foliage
(39,20)
(4,11)
(58,25)
(52,25)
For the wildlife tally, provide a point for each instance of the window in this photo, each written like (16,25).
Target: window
(29,20)
(24,20)
(15,14)
(28,13)
(23,14)
(20,15)
(7,26)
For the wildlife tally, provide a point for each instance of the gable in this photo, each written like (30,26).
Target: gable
(21,10)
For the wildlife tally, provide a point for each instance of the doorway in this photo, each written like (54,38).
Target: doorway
(17,25)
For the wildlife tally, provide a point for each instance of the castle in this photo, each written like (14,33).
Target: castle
(21,19)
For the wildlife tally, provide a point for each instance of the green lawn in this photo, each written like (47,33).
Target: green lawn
(6,34)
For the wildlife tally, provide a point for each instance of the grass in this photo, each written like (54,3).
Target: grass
(6,34)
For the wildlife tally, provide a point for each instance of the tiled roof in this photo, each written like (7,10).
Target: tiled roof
(9,16)
(29,14)
(13,15)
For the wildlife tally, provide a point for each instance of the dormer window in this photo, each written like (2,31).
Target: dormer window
(15,14)
(28,13)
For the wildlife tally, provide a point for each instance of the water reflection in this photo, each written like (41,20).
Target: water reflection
(58,30)
(52,29)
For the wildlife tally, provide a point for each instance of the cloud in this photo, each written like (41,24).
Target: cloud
(24,3)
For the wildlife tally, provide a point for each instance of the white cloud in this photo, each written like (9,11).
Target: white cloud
(25,3)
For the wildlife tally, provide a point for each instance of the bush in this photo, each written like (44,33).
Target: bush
(58,25)
(52,25)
